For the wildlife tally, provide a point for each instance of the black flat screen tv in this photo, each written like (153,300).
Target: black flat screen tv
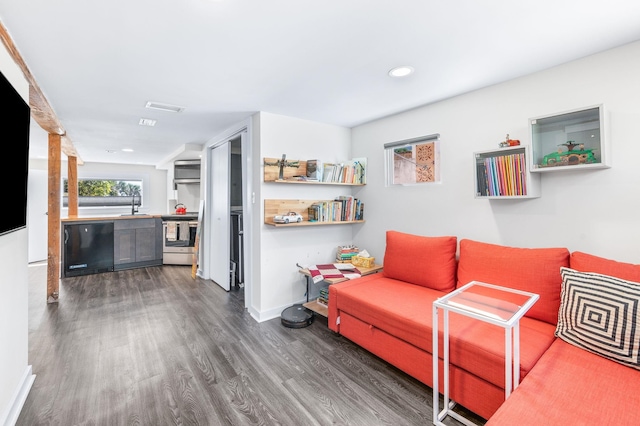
(14,121)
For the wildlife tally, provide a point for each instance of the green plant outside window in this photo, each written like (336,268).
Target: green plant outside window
(105,192)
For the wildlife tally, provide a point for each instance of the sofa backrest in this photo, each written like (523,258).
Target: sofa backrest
(536,270)
(589,263)
(421,260)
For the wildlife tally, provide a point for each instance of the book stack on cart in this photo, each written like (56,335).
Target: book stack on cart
(323,298)
(345,253)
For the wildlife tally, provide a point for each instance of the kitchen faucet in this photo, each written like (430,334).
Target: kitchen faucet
(134,210)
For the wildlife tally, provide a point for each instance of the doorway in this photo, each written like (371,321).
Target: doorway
(228,171)
(237,217)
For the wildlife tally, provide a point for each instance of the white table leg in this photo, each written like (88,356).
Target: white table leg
(445,350)
(508,368)
(516,355)
(435,366)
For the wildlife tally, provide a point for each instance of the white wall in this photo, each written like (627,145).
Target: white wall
(15,373)
(594,211)
(280,283)
(187,194)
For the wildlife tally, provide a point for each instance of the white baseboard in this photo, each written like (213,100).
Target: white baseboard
(272,313)
(10,416)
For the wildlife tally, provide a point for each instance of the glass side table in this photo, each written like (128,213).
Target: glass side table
(490,303)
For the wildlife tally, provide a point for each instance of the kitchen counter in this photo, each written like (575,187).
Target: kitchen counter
(190,217)
(110,243)
(117,217)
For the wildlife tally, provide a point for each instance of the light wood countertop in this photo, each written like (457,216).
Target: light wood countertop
(118,217)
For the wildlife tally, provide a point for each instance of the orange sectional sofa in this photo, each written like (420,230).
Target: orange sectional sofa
(583,379)
(390,314)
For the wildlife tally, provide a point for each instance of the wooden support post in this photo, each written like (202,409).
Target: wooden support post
(53,218)
(72,185)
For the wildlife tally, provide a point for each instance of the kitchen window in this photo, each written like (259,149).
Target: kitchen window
(413,161)
(105,192)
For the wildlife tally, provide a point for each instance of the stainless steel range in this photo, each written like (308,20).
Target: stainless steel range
(178,239)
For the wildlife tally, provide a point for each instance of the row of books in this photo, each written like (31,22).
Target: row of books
(343,208)
(352,172)
(323,297)
(502,175)
(345,253)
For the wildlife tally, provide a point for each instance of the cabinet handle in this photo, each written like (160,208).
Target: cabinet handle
(66,236)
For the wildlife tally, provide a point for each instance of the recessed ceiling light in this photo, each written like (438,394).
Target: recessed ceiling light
(401,71)
(127,149)
(164,107)
(147,122)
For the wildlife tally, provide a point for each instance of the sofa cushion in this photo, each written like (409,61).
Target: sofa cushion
(405,311)
(570,386)
(426,261)
(397,307)
(601,314)
(536,270)
(589,263)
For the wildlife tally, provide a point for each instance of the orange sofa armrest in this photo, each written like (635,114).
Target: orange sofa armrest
(333,320)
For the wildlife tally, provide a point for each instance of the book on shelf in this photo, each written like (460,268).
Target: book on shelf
(350,172)
(360,170)
(314,170)
(501,175)
(359,210)
(323,297)
(346,202)
(343,208)
(328,172)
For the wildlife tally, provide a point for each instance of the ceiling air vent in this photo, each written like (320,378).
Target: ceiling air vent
(164,107)
(147,122)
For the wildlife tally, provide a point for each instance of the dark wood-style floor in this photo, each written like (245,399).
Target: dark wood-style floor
(154,347)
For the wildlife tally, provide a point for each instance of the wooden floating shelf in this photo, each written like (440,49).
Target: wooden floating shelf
(307,223)
(278,207)
(315,182)
(294,171)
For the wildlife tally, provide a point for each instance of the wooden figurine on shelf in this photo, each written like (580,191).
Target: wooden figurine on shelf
(282,164)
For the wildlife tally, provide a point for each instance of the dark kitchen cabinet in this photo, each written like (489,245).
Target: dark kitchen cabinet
(87,248)
(92,246)
(137,243)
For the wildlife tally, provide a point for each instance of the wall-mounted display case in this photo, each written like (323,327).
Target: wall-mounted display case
(569,140)
(502,174)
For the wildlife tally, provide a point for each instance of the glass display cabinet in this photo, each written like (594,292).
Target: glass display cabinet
(569,141)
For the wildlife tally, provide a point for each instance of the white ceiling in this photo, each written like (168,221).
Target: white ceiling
(99,63)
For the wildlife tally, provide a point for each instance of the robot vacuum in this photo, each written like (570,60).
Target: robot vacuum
(296,316)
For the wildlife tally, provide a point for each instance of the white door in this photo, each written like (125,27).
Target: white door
(37,207)
(220,216)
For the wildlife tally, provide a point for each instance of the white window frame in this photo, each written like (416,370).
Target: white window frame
(391,160)
(125,201)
